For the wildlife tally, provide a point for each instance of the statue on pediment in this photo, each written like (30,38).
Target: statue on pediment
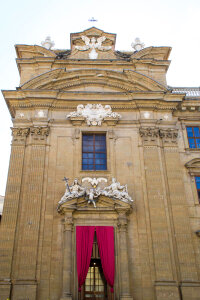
(73,191)
(117,191)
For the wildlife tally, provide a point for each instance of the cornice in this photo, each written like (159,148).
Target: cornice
(54,99)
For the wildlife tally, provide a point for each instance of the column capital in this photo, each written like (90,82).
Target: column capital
(68,222)
(39,133)
(19,134)
(169,136)
(149,134)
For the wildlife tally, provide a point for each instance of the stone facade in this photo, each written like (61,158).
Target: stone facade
(156,247)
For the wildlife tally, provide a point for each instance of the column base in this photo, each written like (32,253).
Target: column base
(5,289)
(24,290)
(190,290)
(167,290)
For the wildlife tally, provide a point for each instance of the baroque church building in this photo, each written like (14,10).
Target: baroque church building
(103,190)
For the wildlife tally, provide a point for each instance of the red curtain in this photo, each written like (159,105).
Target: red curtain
(84,242)
(105,240)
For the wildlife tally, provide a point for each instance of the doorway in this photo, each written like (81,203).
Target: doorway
(95,286)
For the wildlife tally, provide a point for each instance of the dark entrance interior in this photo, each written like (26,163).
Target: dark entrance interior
(95,286)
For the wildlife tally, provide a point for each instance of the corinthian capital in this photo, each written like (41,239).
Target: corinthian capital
(149,133)
(39,132)
(169,135)
(19,134)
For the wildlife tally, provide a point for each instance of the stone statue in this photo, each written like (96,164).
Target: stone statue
(117,191)
(73,191)
(114,190)
(93,44)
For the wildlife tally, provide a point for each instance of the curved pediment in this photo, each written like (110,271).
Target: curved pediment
(193,166)
(31,51)
(158,53)
(61,79)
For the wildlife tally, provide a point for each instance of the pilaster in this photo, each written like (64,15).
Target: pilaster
(67,255)
(188,276)
(123,247)
(11,204)
(158,213)
(29,224)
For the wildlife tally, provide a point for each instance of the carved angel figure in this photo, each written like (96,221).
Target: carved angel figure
(117,191)
(92,194)
(93,44)
(73,191)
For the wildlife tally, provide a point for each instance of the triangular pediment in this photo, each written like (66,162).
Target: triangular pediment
(61,79)
(193,166)
(103,204)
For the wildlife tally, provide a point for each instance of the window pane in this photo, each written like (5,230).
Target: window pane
(189,132)
(192,143)
(196,131)
(197,179)
(94,152)
(198,143)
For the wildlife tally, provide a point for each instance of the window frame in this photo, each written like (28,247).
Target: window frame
(194,137)
(94,152)
(197,189)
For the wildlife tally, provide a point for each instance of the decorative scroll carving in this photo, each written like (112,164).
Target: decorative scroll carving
(94,114)
(93,44)
(39,132)
(115,190)
(169,135)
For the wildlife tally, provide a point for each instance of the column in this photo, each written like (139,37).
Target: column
(26,257)
(124,266)
(10,212)
(67,256)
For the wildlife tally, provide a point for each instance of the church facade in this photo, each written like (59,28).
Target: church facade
(103,190)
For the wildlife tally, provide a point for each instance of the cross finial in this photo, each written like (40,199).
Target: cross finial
(92,20)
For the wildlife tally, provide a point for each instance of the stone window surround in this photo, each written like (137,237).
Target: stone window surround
(110,138)
(193,167)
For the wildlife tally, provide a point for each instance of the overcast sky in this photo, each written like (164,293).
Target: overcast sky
(172,23)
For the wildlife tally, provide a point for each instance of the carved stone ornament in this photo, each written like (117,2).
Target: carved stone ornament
(93,44)
(23,132)
(115,191)
(94,114)
(169,135)
(149,132)
(40,131)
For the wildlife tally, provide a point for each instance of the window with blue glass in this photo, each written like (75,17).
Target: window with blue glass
(193,134)
(94,152)
(197,179)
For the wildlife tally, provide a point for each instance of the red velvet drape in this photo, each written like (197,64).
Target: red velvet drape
(105,240)
(84,242)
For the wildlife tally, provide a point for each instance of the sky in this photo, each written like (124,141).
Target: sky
(173,23)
